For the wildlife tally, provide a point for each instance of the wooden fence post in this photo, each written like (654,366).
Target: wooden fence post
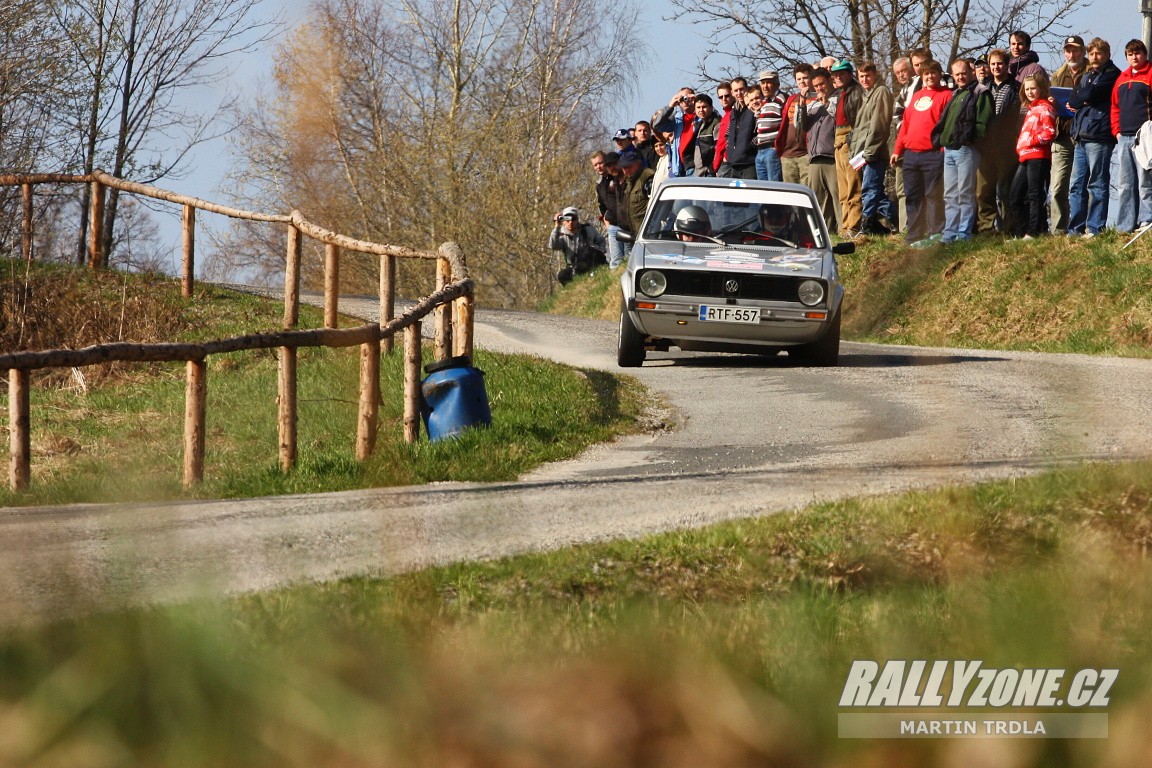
(368,420)
(287,409)
(292,279)
(331,285)
(463,330)
(26,231)
(96,227)
(195,412)
(20,430)
(387,299)
(413,359)
(443,342)
(188,263)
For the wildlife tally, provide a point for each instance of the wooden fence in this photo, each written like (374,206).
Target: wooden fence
(451,303)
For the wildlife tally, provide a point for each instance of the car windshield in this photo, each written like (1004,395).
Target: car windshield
(735,216)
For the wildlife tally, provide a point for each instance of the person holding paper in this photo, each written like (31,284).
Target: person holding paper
(868,151)
(1066,77)
(849,96)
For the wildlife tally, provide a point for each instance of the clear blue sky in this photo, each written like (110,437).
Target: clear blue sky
(676,50)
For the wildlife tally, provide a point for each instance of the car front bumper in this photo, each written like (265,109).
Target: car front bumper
(678,320)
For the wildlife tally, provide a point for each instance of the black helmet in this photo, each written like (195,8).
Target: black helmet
(692,220)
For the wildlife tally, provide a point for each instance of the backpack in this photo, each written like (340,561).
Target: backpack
(1142,149)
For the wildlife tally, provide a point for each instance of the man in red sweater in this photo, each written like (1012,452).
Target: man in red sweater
(727,103)
(1131,108)
(923,163)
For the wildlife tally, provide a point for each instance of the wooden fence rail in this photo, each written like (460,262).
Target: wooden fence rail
(452,302)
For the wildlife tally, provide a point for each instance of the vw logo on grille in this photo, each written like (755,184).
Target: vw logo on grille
(732,286)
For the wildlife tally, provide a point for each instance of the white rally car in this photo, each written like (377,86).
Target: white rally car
(726,265)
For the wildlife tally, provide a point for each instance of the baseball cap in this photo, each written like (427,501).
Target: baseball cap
(1074,40)
(843,65)
(611,158)
(622,134)
(570,213)
(629,157)
(768,74)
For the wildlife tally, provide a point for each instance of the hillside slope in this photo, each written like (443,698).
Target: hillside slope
(1054,294)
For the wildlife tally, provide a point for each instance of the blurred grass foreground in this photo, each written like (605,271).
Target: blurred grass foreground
(723,646)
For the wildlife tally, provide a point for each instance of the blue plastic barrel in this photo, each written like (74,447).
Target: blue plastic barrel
(454,398)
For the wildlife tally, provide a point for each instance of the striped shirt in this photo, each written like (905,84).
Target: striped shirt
(768,121)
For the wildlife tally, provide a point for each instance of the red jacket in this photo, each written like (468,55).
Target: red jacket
(794,107)
(687,140)
(920,118)
(1038,131)
(1130,100)
(721,142)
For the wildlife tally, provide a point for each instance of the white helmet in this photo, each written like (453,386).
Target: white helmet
(692,220)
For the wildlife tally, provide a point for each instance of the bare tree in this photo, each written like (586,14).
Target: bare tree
(135,59)
(34,80)
(783,32)
(420,121)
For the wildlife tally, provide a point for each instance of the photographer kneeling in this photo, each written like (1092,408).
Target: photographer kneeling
(581,244)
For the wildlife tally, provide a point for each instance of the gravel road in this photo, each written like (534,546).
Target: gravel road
(743,436)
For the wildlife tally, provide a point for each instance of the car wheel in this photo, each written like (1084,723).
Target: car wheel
(629,342)
(826,351)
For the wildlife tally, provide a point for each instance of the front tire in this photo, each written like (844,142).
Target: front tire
(824,353)
(629,342)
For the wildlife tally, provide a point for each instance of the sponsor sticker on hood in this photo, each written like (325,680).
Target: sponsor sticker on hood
(796,261)
(674,258)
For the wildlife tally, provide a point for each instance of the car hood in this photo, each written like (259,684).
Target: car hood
(794,262)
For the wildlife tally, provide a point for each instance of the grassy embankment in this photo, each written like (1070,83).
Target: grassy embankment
(1053,295)
(718,647)
(114,433)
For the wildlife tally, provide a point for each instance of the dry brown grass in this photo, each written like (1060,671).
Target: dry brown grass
(67,308)
(1055,293)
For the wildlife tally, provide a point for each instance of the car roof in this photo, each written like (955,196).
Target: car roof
(713,181)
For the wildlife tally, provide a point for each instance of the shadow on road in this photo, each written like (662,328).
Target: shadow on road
(890,360)
(865,360)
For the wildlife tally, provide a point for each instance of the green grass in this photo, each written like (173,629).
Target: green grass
(595,295)
(1053,294)
(124,442)
(726,645)
(114,433)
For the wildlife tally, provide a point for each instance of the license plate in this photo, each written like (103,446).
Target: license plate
(729,314)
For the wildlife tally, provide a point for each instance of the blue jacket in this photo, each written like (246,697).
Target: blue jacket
(1092,102)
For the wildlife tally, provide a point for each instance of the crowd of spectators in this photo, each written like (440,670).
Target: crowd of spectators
(993,144)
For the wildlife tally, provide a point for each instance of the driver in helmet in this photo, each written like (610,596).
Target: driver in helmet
(776,224)
(693,225)
(774,220)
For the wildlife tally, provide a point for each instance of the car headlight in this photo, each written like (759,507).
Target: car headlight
(811,293)
(652,283)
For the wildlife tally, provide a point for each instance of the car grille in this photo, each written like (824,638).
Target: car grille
(713,285)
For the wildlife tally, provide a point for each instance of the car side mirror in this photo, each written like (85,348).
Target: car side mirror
(625,237)
(840,249)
